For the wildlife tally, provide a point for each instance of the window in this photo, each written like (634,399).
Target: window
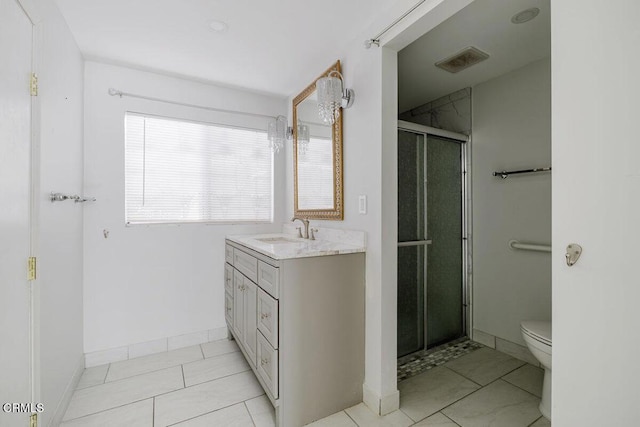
(178,171)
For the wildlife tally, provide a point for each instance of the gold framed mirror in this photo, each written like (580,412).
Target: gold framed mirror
(317,164)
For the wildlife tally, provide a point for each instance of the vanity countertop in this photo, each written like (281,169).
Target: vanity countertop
(285,246)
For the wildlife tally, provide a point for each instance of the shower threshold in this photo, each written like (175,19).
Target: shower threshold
(421,361)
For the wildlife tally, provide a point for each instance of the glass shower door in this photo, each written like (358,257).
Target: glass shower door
(412,241)
(430,217)
(444,255)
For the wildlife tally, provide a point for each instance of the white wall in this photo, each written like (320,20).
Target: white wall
(362,174)
(511,130)
(144,283)
(59,236)
(370,168)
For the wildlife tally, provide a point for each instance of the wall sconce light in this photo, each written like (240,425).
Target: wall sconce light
(276,133)
(303,138)
(333,95)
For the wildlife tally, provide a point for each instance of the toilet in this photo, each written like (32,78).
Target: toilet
(537,335)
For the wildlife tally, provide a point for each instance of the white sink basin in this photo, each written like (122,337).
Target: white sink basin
(277,240)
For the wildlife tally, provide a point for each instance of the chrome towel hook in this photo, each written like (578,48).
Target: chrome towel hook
(60,197)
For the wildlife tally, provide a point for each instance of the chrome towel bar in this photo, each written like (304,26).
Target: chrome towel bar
(514,244)
(505,174)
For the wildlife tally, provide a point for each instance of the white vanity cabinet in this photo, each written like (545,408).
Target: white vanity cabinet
(300,323)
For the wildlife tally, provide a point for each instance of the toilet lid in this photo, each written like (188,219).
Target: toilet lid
(538,330)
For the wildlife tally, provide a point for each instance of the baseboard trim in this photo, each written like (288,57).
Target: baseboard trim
(380,405)
(390,403)
(102,357)
(68,393)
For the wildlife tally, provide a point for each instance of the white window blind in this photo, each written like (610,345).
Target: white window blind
(179,171)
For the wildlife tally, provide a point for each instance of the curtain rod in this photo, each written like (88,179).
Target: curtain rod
(376,40)
(115,92)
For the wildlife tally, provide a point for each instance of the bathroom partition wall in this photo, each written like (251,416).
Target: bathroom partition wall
(431,238)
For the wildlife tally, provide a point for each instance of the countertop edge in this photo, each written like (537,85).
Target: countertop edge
(300,249)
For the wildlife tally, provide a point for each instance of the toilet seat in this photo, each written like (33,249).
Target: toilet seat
(539,331)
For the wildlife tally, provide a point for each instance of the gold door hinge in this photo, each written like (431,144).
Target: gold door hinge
(33,86)
(33,421)
(31,274)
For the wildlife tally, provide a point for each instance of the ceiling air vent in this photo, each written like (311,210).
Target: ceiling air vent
(464,59)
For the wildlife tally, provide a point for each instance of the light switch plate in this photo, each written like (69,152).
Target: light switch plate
(362,204)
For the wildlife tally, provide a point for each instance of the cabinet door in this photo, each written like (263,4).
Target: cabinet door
(228,278)
(250,316)
(238,311)
(228,308)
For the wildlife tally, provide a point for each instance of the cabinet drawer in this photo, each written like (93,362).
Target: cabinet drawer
(268,317)
(268,278)
(228,308)
(228,278)
(246,264)
(267,365)
(228,254)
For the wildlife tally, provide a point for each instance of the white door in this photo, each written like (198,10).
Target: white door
(15,195)
(596,203)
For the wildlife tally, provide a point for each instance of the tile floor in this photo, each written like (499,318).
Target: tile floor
(212,385)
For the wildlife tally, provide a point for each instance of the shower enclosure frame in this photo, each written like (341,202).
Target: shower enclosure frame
(467,271)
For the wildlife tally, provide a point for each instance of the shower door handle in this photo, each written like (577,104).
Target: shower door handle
(415,243)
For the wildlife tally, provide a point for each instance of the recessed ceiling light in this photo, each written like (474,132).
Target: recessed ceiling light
(218,26)
(525,15)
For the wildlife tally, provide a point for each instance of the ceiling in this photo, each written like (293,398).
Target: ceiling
(270,46)
(485,24)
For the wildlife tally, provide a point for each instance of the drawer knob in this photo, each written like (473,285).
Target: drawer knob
(264,362)
(228,308)
(264,316)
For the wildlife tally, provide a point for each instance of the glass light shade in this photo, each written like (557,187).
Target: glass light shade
(329,91)
(277,133)
(303,138)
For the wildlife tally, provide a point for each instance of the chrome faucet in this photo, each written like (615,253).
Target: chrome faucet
(306,227)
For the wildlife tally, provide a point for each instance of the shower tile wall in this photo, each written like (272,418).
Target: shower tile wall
(451,112)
